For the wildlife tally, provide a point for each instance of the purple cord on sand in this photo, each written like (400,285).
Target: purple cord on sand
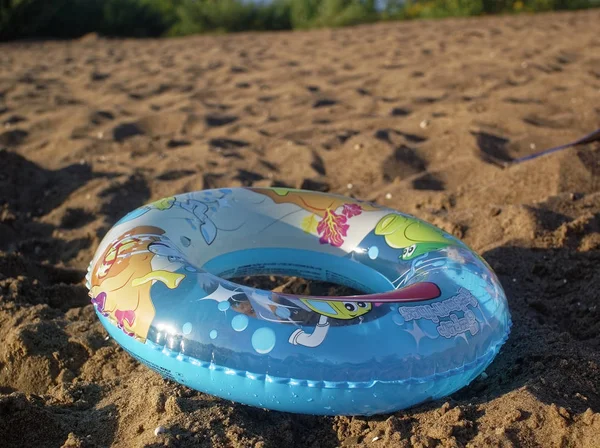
(593,137)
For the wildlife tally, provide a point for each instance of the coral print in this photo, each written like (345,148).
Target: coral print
(330,215)
(332,228)
(199,211)
(350,210)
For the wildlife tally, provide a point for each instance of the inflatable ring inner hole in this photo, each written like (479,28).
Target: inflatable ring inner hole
(296,285)
(320,266)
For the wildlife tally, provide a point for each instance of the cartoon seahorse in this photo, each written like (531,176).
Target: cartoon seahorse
(198,211)
(122,278)
(414,237)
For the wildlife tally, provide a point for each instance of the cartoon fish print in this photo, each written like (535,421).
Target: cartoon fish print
(344,309)
(413,236)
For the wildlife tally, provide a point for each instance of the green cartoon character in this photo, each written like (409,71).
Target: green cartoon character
(414,237)
(327,310)
(346,309)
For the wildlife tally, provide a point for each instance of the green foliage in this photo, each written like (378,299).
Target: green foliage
(442,8)
(303,13)
(199,16)
(72,18)
(345,12)
(58,18)
(213,15)
(445,8)
(275,16)
(140,18)
(331,13)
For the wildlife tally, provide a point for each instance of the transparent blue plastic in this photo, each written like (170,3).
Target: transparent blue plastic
(432,318)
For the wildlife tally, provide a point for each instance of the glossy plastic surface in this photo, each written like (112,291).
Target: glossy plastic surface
(432,318)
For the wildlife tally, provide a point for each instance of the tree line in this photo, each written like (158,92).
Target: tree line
(155,18)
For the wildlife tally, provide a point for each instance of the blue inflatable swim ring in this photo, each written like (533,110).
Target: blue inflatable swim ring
(432,318)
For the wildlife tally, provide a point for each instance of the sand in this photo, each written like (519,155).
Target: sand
(411,115)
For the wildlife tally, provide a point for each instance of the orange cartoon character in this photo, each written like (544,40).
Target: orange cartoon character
(121,280)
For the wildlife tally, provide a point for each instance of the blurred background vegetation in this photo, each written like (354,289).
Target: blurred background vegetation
(153,18)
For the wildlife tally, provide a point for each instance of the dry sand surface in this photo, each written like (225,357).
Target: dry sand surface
(406,114)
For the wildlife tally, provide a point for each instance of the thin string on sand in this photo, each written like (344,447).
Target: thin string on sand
(590,138)
(504,165)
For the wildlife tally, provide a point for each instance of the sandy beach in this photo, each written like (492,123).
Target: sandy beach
(411,115)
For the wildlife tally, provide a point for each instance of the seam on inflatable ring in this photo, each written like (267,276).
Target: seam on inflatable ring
(324,384)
